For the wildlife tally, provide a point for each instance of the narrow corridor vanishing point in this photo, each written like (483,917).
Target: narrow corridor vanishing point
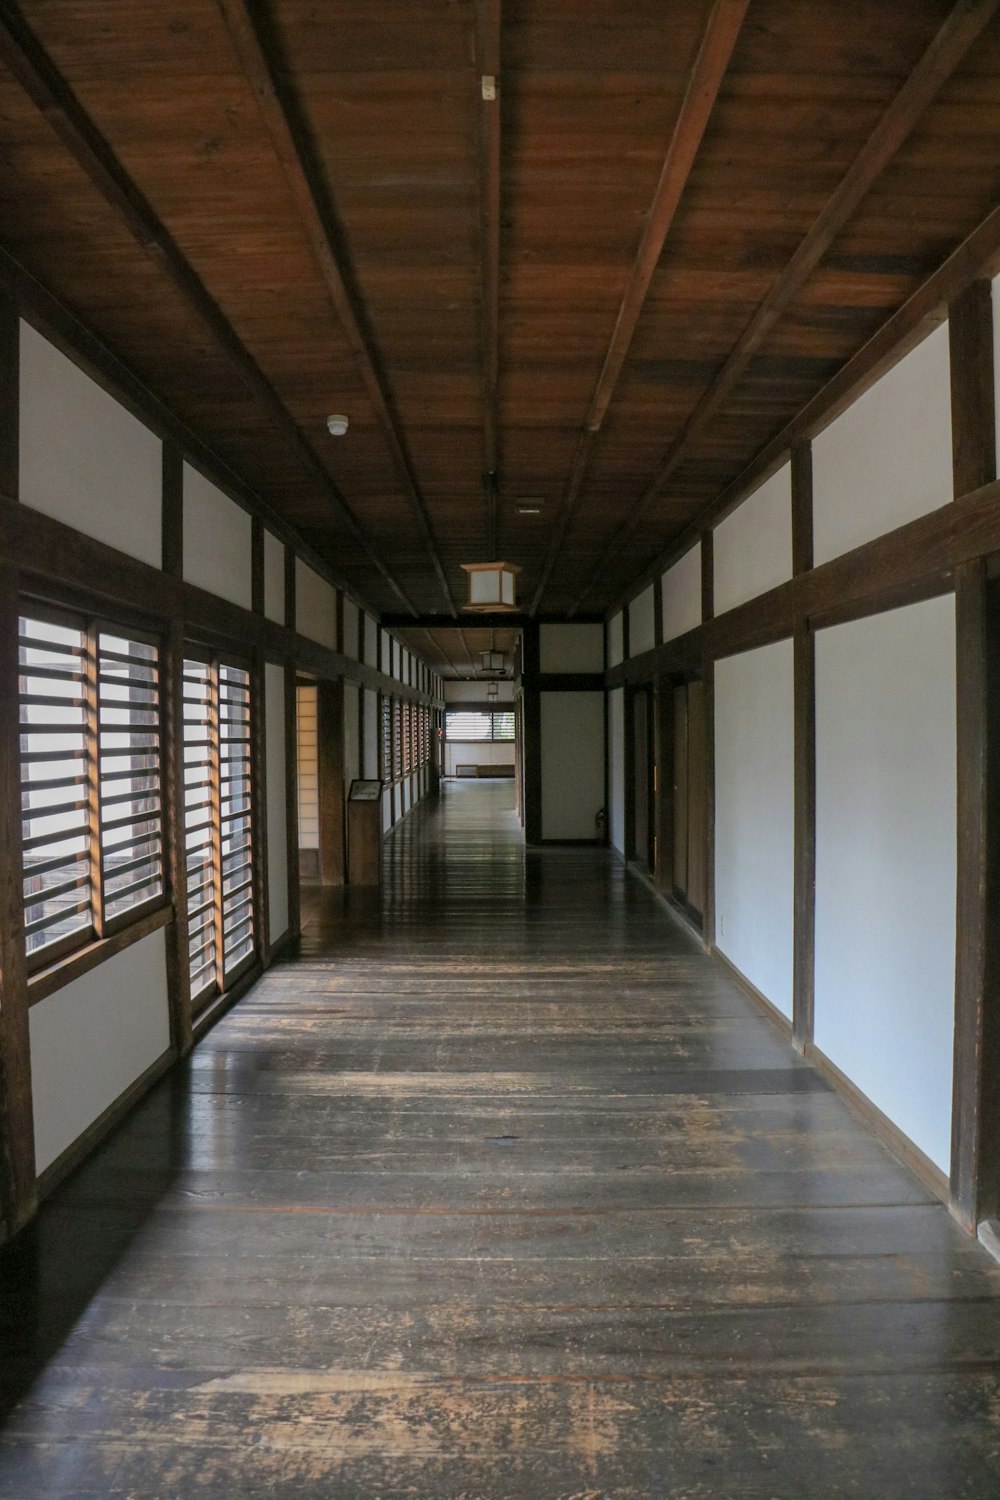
(503,1191)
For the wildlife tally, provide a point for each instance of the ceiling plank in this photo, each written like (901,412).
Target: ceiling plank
(707,74)
(978,255)
(488,24)
(438,648)
(281,116)
(52,96)
(959,31)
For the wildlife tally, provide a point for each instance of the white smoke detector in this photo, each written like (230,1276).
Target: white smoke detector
(337,425)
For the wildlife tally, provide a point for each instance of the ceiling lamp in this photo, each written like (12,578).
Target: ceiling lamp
(491,587)
(493,691)
(493,661)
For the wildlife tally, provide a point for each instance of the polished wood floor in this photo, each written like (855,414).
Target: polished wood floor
(502,1192)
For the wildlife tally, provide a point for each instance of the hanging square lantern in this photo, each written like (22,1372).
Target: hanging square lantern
(493,691)
(492,587)
(493,661)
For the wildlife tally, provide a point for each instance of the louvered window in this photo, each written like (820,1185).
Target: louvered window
(475,724)
(90,781)
(397,740)
(407,740)
(386,739)
(218,828)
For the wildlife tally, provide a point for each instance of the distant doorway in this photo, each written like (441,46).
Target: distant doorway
(682,818)
(641,831)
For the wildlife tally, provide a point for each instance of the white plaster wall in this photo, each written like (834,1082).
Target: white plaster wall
(276,808)
(92,1039)
(386,653)
(572,749)
(615,640)
(754,817)
(641,623)
(387,806)
(616,768)
(885,862)
(349,645)
(84,459)
(274,578)
(887,459)
(217,540)
(371,641)
(682,595)
(372,767)
(352,708)
(752,548)
(315,606)
(475,692)
(571,648)
(477,753)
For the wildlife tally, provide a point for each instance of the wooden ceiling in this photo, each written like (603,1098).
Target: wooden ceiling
(608,288)
(454,652)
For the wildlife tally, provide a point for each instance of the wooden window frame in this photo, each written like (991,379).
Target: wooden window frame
(214,660)
(92,937)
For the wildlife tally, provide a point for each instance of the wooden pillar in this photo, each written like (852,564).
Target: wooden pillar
(10,383)
(172,740)
(330,768)
(975,1161)
(18,1184)
(663,738)
(257,565)
(532,701)
(804,645)
(708,678)
(292,805)
(258,806)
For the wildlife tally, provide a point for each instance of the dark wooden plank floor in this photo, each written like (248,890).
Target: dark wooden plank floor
(503,1192)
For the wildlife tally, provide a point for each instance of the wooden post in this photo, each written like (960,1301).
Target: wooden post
(17,1131)
(258,806)
(257,565)
(804,645)
(330,769)
(975,1159)
(708,679)
(175,852)
(292,804)
(532,700)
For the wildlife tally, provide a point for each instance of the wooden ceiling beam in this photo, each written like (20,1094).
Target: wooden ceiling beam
(52,96)
(959,31)
(256,48)
(438,647)
(707,74)
(488,24)
(926,309)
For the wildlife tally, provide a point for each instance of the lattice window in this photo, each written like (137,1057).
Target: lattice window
(90,780)
(218,772)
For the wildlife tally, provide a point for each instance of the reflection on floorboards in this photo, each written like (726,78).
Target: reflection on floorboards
(502,1191)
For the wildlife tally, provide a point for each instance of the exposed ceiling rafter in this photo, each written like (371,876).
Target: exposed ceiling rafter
(281,116)
(959,31)
(706,78)
(49,92)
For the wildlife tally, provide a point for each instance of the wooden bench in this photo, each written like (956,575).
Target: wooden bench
(484,771)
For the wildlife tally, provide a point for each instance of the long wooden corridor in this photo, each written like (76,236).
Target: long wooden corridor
(503,1192)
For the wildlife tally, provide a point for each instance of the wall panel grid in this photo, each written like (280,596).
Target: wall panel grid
(755,817)
(84,459)
(886,863)
(682,595)
(752,548)
(887,459)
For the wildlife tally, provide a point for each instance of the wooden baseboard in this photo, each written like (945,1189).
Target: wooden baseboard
(753,993)
(74,1154)
(674,909)
(889,1134)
